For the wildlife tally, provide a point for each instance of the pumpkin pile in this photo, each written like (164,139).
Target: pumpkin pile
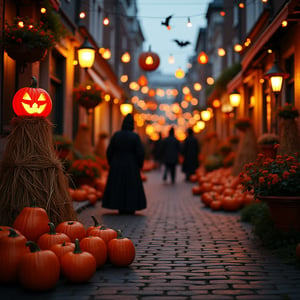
(86,192)
(35,253)
(220,190)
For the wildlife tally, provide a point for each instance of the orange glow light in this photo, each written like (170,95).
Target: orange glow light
(125,58)
(238,48)
(202,58)
(82,15)
(216,103)
(106,21)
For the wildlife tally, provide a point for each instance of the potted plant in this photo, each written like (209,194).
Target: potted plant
(242,123)
(88,96)
(84,171)
(62,145)
(27,41)
(267,144)
(276,182)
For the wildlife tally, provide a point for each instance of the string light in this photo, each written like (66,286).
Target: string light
(82,15)
(105,21)
(171,59)
(43,10)
(125,58)
(189,23)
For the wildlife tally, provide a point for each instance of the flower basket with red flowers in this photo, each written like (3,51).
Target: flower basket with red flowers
(88,96)
(84,171)
(269,177)
(288,111)
(242,123)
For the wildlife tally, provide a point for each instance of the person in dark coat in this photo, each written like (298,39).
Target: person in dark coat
(125,154)
(157,151)
(170,154)
(190,151)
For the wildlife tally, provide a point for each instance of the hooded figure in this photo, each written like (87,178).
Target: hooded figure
(125,155)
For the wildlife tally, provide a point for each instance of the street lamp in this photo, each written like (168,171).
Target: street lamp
(86,54)
(126,108)
(276,76)
(235,98)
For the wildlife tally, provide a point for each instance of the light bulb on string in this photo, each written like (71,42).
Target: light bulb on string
(82,15)
(171,59)
(189,23)
(105,21)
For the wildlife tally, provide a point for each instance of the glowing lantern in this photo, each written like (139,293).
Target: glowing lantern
(151,93)
(202,58)
(205,115)
(197,86)
(179,73)
(126,108)
(126,58)
(238,48)
(221,52)
(216,103)
(142,81)
(106,21)
(149,61)
(106,54)
(235,98)
(32,101)
(86,54)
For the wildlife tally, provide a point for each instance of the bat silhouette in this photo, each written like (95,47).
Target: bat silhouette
(182,44)
(167,21)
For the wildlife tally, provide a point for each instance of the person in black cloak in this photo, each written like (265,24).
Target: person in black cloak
(125,154)
(190,152)
(170,154)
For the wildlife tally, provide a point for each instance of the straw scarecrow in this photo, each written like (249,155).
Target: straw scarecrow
(31,173)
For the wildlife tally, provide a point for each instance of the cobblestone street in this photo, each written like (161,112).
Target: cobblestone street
(184,251)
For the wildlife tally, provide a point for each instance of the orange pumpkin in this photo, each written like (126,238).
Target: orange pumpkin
(78,266)
(12,248)
(62,248)
(73,229)
(149,61)
(32,222)
(32,101)
(39,269)
(96,246)
(105,233)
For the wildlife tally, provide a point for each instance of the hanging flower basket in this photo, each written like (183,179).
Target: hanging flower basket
(23,53)
(242,124)
(88,96)
(27,41)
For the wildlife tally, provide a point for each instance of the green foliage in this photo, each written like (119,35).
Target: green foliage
(281,244)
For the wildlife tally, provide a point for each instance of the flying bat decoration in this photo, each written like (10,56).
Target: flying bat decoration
(167,22)
(181,43)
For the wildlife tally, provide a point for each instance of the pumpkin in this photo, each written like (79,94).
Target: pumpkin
(96,246)
(78,266)
(105,233)
(149,61)
(215,204)
(231,203)
(12,248)
(4,231)
(32,101)
(121,251)
(47,240)
(95,226)
(32,222)
(39,269)
(73,229)
(62,248)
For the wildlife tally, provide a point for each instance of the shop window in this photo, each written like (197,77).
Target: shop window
(57,85)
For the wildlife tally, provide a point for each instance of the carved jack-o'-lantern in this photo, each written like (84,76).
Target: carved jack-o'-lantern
(32,101)
(149,61)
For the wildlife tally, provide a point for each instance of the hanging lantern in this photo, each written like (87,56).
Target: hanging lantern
(32,101)
(126,58)
(276,76)
(86,54)
(126,108)
(149,61)
(142,81)
(202,58)
(179,73)
(205,115)
(235,98)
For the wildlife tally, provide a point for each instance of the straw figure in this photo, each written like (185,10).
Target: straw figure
(247,148)
(83,141)
(32,174)
(289,139)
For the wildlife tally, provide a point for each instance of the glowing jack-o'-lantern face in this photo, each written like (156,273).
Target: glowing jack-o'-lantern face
(32,101)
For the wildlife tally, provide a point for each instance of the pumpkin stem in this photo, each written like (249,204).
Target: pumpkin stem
(51,228)
(33,83)
(96,223)
(33,246)
(77,249)
(63,243)
(12,233)
(119,233)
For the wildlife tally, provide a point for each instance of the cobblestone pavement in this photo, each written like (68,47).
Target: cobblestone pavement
(184,251)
